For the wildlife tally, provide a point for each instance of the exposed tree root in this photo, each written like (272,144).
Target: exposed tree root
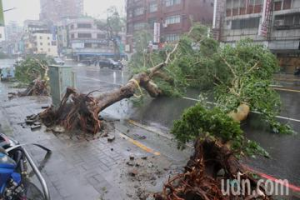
(202,178)
(36,88)
(82,110)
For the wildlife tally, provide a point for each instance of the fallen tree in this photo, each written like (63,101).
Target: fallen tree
(240,78)
(33,72)
(82,110)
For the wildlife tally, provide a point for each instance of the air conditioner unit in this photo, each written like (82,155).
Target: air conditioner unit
(279,22)
(165,25)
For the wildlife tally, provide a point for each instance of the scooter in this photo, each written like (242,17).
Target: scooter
(15,178)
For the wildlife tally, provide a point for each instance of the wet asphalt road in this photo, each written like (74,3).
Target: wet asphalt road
(160,113)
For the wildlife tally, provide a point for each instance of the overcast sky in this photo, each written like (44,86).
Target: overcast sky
(30,9)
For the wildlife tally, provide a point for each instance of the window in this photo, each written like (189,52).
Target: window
(84,35)
(84,25)
(49,50)
(282,4)
(172,2)
(72,36)
(101,36)
(172,37)
(138,26)
(277,5)
(287,4)
(291,21)
(138,11)
(245,23)
(87,45)
(41,43)
(41,49)
(48,38)
(173,19)
(151,22)
(41,37)
(0,35)
(153,7)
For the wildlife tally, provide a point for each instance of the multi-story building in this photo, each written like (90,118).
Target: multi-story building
(274,23)
(55,10)
(13,34)
(44,43)
(39,38)
(83,37)
(173,17)
(31,26)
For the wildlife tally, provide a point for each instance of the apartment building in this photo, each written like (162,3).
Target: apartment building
(83,38)
(44,43)
(274,23)
(39,38)
(171,17)
(13,34)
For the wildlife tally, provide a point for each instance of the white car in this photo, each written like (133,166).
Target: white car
(59,61)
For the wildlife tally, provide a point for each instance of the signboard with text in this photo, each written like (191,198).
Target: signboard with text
(263,31)
(156,35)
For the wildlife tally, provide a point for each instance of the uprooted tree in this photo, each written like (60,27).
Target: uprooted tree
(33,72)
(239,78)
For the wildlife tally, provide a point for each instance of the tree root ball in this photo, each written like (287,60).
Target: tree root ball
(75,111)
(211,163)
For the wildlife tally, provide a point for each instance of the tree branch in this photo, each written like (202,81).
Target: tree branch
(230,67)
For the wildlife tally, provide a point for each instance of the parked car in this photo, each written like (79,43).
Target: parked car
(110,63)
(88,61)
(58,61)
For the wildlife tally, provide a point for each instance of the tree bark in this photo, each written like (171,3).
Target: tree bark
(241,113)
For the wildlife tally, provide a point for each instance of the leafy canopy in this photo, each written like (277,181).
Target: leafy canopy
(32,68)
(198,121)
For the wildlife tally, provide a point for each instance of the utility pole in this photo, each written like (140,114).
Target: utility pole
(1,14)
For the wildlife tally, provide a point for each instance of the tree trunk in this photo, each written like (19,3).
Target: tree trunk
(241,113)
(80,110)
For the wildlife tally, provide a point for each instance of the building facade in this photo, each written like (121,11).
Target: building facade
(83,38)
(43,43)
(172,16)
(273,23)
(55,10)
(38,38)
(13,34)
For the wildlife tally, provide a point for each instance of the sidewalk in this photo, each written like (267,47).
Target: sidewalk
(80,168)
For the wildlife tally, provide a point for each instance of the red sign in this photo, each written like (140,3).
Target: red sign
(266,18)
